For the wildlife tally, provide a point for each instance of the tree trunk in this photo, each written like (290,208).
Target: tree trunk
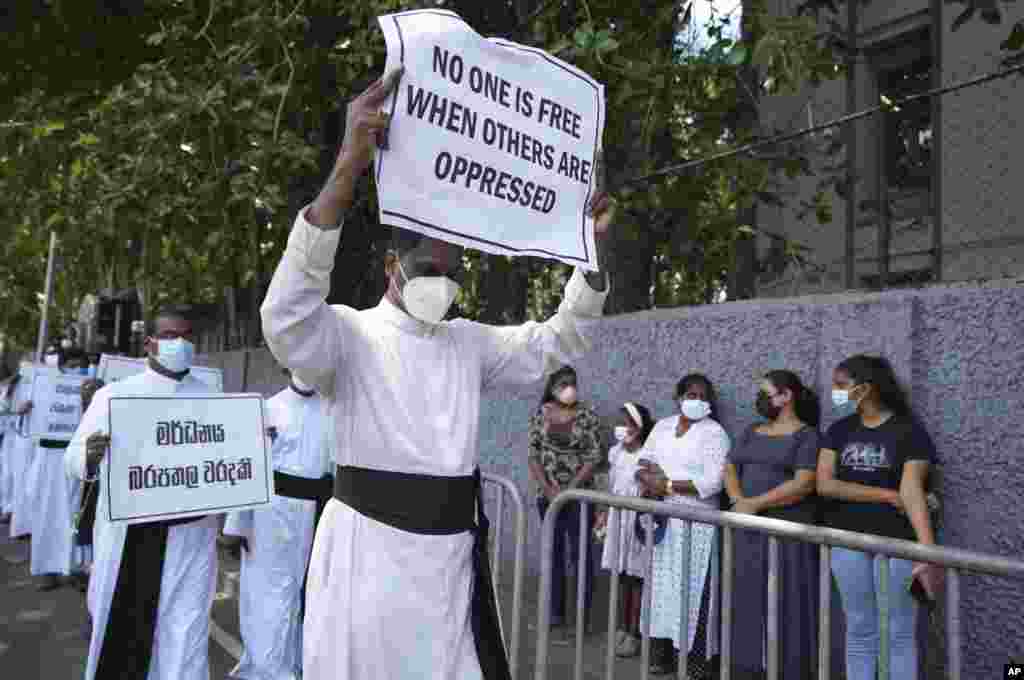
(743,284)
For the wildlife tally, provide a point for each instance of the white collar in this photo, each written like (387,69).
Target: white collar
(390,313)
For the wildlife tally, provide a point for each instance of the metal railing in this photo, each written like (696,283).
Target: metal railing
(506,487)
(953,559)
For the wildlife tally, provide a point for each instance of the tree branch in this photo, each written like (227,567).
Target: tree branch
(288,86)
(209,20)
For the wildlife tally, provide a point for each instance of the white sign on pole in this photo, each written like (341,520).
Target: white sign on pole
(113,368)
(174,457)
(492,145)
(56,404)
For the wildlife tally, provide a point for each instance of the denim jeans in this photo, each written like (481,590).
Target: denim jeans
(565,552)
(857,576)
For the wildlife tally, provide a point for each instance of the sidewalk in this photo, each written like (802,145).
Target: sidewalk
(42,635)
(561,660)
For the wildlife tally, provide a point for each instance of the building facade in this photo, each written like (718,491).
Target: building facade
(944,171)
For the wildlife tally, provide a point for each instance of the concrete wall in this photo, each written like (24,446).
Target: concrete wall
(957,349)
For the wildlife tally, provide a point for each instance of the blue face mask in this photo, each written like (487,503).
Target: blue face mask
(175,355)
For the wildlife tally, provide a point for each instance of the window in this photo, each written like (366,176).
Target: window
(908,131)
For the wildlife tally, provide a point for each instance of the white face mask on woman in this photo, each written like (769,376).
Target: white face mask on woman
(695,409)
(622,434)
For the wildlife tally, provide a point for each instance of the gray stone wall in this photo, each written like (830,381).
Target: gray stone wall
(957,349)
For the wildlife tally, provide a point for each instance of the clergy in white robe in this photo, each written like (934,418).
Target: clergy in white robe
(56,498)
(151,620)
(278,539)
(391,583)
(22,458)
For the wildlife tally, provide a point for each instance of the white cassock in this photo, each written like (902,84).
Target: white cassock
(280,538)
(23,455)
(402,396)
(8,424)
(189,578)
(55,498)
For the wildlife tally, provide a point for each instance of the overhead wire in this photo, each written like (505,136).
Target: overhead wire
(685,166)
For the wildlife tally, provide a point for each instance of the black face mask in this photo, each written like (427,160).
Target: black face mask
(765,408)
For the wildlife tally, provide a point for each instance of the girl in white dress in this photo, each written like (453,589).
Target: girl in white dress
(683,462)
(635,424)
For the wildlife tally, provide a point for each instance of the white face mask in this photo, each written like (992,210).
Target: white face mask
(622,434)
(428,298)
(66,344)
(301,386)
(175,355)
(52,360)
(840,398)
(568,395)
(695,409)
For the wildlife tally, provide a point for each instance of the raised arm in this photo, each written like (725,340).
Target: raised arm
(521,355)
(302,331)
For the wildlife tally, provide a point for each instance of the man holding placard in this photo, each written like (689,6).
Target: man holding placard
(399,584)
(58,408)
(22,454)
(152,584)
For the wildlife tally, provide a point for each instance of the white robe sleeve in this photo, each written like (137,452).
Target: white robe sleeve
(715,447)
(302,331)
(93,420)
(520,355)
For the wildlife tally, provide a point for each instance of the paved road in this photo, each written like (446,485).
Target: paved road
(45,635)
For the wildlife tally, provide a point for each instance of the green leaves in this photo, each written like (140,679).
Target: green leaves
(1015,41)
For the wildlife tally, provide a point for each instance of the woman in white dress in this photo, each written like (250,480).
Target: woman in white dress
(683,462)
(635,424)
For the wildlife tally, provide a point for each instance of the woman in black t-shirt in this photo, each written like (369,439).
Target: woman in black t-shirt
(872,469)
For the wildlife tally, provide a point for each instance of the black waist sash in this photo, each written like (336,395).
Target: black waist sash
(307,489)
(427,504)
(53,443)
(131,624)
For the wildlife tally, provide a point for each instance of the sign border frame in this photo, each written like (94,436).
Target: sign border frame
(268,471)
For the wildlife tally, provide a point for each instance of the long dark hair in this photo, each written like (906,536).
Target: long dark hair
(554,379)
(805,400)
(709,389)
(877,371)
(647,420)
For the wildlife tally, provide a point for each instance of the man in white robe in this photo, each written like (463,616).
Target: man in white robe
(397,581)
(152,585)
(7,421)
(277,540)
(22,459)
(55,499)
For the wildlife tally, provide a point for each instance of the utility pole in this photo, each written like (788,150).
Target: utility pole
(48,294)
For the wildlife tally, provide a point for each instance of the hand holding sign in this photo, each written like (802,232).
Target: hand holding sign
(95,448)
(365,126)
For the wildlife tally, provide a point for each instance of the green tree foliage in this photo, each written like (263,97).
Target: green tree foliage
(170,143)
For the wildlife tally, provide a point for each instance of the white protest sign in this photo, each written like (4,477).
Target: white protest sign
(492,145)
(113,368)
(176,457)
(56,404)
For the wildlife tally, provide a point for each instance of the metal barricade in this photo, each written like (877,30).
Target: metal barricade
(954,560)
(506,487)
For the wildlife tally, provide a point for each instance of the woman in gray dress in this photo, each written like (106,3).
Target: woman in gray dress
(771,472)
